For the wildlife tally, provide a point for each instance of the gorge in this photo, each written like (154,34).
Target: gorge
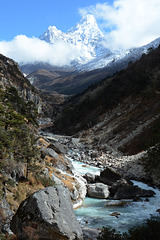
(113,125)
(95,213)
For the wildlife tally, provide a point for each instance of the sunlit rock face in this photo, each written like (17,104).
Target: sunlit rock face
(98,190)
(47,214)
(61,170)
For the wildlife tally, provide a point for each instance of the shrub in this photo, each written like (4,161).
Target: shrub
(151,160)
(45,181)
(108,233)
(148,230)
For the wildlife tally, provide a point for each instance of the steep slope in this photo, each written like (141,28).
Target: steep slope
(28,161)
(119,110)
(119,57)
(91,60)
(10,75)
(69,82)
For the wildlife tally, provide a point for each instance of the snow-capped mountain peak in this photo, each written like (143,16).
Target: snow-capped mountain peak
(85,36)
(89,19)
(87,22)
(87,39)
(87,29)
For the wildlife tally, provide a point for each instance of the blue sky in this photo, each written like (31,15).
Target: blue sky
(33,17)
(125,24)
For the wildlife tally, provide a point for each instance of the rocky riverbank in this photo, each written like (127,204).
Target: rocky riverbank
(128,166)
(57,153)
(114,181)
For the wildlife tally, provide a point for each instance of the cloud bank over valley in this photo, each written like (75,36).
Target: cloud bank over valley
(30,50)
(125,24)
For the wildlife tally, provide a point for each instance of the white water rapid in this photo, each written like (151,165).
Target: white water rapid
(95,213)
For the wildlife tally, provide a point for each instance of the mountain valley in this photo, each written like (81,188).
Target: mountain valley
(119,114)
(105,117)
(93,63)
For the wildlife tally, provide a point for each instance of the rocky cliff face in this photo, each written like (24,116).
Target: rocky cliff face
(11,76)
(29,162)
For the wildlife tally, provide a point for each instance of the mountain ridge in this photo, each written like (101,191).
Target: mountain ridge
(95,63)
(77,81)
(86,37)
(119,110)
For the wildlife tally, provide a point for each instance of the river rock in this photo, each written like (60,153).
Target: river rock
(91,178)
(5,216)
(47,214)
(115,186)
(58,148)
(97,190)
(115,214)
(127,191)
(80,185)
(59,160)
(109,176)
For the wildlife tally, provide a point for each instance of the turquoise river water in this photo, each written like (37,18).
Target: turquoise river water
(95,214)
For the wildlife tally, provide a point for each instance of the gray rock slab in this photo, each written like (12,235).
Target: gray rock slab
(127,191)
(47,214)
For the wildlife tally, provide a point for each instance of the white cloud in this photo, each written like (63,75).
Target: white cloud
(29,50)
(129,23)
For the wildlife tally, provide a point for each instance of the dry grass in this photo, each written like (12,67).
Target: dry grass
(15,195)
(43,142)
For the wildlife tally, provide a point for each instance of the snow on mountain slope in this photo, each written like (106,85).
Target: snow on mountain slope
(85,36)
(119,57)
(87,39)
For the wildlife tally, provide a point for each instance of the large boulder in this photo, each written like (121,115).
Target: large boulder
(47,214)
(98,190)
(127,191)
(109,176)
(113,189)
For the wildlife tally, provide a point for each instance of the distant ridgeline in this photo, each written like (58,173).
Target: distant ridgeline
(130,100)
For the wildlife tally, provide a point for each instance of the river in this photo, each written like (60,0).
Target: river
(95,214)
